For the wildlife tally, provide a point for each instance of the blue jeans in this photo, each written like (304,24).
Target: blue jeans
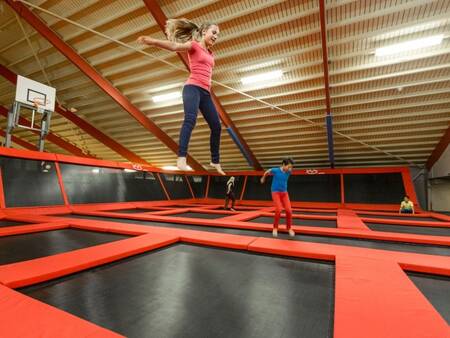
(195,98)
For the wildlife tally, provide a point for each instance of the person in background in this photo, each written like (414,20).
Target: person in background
(230,194)
(280,195)
(406,207)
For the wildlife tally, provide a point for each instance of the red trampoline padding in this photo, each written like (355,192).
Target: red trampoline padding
(38,270)
(410,261)
(27,229)
(348,219)
(375,298)
(204,238)
(25,317)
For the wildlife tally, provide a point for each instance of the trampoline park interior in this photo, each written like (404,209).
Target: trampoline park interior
(100,236)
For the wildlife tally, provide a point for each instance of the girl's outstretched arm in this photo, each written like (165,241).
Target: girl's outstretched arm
(165,44)
(263,178)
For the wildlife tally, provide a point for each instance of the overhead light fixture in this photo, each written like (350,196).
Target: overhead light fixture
(173,168)
(276,74)
(260,65)
(166,97)
(166,87)
(409,45)
(129,170)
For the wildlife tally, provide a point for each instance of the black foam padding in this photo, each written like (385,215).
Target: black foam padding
(198,185)
(254,190)
(192,291)
(315,188)
(346,241)
(176,186)
(318,213)
(436,289)
(203,215)
(218,186)
(27,183)
(86,184)
(298,221)
(7,223)
(129,211)
(403,218)
(419,230)
(39,244)
(374,188)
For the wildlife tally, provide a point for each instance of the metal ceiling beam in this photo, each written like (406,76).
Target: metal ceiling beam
(20,142)
(83,125)
(39,25)
(55,139)
(328,118)
(439,150)
(161,19)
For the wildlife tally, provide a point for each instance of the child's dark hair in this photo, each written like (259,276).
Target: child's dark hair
(406,196)
(287,160)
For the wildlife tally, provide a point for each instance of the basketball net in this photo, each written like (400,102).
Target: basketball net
(39,104)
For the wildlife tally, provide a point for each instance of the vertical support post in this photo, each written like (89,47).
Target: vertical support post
(329,121)
(2,191)
(207,186)
(189,185)
(61,184)
(342,191)
(244,186)
(163,186)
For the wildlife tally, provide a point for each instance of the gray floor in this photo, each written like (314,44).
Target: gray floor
(409,229)
(346,241)
(39,244)
(437,291)
(298,221)
(190,291)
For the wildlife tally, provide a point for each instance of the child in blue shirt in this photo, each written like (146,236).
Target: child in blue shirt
(280,195)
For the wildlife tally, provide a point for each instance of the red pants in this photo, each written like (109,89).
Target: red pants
(281,200)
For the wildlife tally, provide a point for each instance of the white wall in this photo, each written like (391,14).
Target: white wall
(442,167)
(439,189)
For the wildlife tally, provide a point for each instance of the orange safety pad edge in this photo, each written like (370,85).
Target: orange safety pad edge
(34,271)
(231,222)
(27,229)
(191,236)
(25,317)
(410,261)
(375,298)
(348,219)
(407,222)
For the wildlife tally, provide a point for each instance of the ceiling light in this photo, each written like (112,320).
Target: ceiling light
(276,74)
(129,170)
(409,45)
(167,97)
(173,168)
(260,65)
(165,87)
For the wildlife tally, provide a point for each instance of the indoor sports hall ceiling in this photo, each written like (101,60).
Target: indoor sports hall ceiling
(387,110)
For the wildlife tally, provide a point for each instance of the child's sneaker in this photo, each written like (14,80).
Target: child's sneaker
(291,233)
(275,233)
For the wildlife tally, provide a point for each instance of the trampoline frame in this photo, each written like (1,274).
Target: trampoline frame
(358,271)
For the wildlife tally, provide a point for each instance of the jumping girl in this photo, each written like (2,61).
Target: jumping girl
(185,36)
(230,194)
(280,195)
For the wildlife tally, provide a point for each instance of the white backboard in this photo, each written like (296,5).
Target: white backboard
(28,90)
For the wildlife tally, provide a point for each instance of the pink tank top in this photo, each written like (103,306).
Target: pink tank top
(201,63)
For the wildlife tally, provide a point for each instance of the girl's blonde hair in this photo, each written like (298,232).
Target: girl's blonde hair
(183,30)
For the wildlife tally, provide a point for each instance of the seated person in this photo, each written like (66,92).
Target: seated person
(406,207)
